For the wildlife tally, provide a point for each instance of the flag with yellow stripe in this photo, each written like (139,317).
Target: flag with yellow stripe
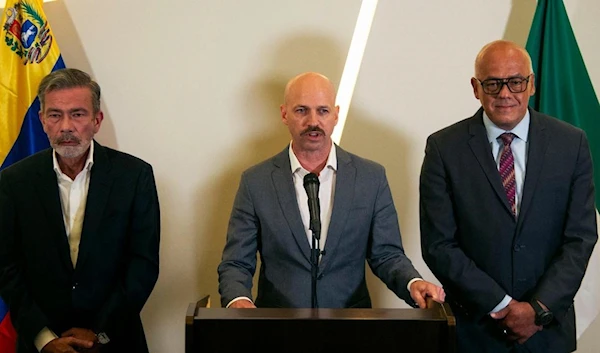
(28,52)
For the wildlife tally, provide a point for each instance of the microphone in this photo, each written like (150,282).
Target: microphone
(311,185)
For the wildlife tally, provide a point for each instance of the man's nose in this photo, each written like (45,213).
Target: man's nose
(66,124)
(504,91)
(313,119)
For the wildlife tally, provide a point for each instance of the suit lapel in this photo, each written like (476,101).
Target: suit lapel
(99,190)
(538,143)
(286,195)
(47,189)
(342,203)
(480,146)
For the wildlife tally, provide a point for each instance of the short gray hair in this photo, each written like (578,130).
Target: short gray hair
(69,78)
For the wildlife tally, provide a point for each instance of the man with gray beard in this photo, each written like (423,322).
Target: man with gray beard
(79,231)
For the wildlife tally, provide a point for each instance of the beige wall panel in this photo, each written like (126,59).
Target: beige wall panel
(193,87)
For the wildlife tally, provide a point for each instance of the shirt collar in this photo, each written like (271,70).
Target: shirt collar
(89,162)
(493,131)
(296,166)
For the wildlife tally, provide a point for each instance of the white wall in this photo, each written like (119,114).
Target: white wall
(193,87)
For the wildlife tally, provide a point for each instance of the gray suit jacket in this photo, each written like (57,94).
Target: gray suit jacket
(266,218)
(480,252)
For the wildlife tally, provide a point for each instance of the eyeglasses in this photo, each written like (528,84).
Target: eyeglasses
(514,84)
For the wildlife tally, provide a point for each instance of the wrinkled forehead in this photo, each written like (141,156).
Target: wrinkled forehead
(68,98)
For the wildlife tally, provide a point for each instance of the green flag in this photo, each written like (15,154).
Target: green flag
(564,90)
(563,86)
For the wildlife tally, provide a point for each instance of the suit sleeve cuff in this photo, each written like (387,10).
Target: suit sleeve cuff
(43,338)
(239,298)
(411,282)
(503,304)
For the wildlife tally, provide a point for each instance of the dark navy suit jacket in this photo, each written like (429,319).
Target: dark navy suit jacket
(480,252)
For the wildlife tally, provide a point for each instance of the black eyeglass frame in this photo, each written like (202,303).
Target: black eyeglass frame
(505,81)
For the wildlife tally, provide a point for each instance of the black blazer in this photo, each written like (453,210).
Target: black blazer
(480,252)
(117,265)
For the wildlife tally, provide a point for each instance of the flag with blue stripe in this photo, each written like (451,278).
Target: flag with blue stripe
(28,52)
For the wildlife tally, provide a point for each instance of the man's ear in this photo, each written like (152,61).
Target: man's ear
(98,118)
(283,110)
(475,85)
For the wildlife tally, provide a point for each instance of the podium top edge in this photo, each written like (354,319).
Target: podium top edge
(318,314)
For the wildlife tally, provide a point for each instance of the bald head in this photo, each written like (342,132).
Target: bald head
(310,114)
(501,50)
(503,82)
(308,82)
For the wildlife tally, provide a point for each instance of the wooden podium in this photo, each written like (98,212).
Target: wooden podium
(209,330)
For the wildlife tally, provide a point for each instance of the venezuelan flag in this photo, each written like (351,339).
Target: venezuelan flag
(28,52)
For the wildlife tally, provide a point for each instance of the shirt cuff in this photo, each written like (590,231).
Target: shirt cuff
(411,282)
(503,304)
(43,338)
(239,298)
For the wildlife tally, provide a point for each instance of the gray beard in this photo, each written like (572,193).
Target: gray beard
(71,151)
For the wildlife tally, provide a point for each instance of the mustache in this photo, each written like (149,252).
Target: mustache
(313,129)
(67,137)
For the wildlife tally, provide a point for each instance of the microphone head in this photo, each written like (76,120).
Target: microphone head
(311,179)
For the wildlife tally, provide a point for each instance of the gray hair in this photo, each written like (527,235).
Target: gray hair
(69,78)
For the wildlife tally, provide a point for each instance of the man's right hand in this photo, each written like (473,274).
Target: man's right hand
(66,345)
(243,304)
(518,321)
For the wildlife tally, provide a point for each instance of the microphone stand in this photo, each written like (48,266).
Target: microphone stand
(315,253)
(311,184)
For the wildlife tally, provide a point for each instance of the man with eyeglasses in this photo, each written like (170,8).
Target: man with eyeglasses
(508,221)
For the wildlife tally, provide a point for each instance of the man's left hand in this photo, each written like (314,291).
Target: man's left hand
(518,319)
(420,290)
(84,334)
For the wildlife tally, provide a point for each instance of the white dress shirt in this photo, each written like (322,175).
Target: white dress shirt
(73,198)
(326,193)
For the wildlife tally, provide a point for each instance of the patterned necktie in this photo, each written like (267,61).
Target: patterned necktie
(507,170)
